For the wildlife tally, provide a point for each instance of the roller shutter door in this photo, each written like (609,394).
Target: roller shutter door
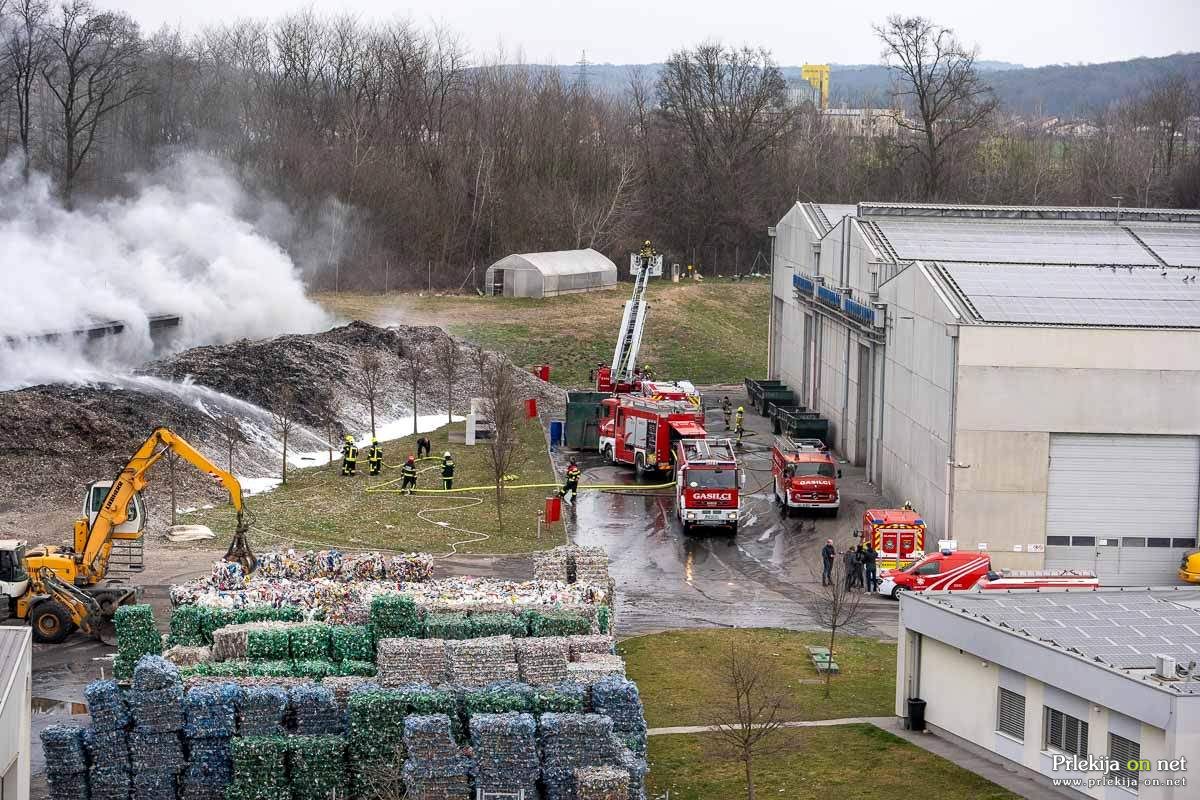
(1125,506)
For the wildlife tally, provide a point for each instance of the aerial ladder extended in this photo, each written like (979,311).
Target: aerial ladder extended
(629,339)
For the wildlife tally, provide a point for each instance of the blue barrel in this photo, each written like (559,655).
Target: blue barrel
(556,432)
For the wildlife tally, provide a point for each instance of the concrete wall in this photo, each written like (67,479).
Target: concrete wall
(1018,385)
(15,722)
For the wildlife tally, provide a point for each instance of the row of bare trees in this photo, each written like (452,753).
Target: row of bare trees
(417,165)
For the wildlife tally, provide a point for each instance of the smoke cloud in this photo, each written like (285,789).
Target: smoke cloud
(185,243)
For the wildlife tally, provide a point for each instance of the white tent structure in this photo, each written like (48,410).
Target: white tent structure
(550,274)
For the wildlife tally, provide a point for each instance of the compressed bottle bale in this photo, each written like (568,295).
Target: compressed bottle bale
(478,662)
(343,685)
(566,697)
(317,765)
(456,786)
(106,705)
(432,752)
(601,783)
(541,660)
(212,710)
(154,672)
(499,698)
(405,660)
(267,644)
(449,625)
(551,565)
(591,566)
(67,785)
(265,613)
(351,643)
(262,711)
(106,749)
(557,623)
(603,618)
(617,698)
(272,669)
(63,747)
(209,769)
(136,636)
(155,751)
(259,768)
(410,567)
(309,641)
(393,616)
(570,741)
(109,783)
(497,623)
(214,619)
(364,669)
(314,668)
(155,784)
(376,725)
(187,626)
(505,747)
(157,710)
(315,711)
(599,644)
(184,656)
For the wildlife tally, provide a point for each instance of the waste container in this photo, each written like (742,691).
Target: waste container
(553,509)
(916,714)
(531,407)
(543,371)
(556,432)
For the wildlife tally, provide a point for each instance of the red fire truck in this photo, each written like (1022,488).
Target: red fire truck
(642,432)
(707,481)
(960,570)
(804,475)
(669,390)
(897,534)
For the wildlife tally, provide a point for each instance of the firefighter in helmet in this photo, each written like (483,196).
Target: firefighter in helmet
(447,471)
(571,483)
(738,419)
(375,456)
(908,506)
(647,373)
(727,410)
(349,456)
(408,473)
(647,251)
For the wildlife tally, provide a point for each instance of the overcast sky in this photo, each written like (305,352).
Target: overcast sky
(1029,32)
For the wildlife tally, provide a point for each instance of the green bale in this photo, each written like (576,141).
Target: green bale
(214,619)
(500,698)
(497,623)
(265,613)
(281,668)
(424,700)
(317,767)
(187,626)
(268,644)
(603,616)
(449,625)
(350,666)
(394,616)
(563,698)
(314,668)
(259,768)
(309,641)
(376,725)
(136,636)
(351,643)
(557,623)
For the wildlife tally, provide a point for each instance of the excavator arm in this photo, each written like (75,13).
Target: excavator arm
(133,479)
(84,609)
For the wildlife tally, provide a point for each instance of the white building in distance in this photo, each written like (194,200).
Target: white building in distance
(1052,355)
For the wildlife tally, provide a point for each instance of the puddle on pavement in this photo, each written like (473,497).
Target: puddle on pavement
(48,706)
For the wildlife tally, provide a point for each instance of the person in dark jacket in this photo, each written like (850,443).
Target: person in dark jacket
(375,456)
(870,557)
(349,456)
(447,471)
(850,566)
(423,447)
(860,558)
(409,475)
(827,554)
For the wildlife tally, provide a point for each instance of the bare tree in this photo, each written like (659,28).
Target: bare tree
(502,406)
(836,606)
(93,70)
(752,708)
(448,360)
(231,431)
(370,381)
(328,408)
(283,414)
(26,51)
(937,78)
(412,371)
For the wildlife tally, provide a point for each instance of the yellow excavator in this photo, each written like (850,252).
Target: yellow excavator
(61,588)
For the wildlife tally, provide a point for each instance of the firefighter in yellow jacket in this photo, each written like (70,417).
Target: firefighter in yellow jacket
(571,483)
(349,456)
(375,456)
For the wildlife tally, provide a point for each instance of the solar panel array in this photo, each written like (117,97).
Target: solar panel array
(1124,630)
(1023,242)
(1179,247)
(1138,296)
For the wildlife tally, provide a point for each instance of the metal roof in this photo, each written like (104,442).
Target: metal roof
(1151,297)
(1097,213)
(1176,245)
(1121,629)
(14,643)
(559,262)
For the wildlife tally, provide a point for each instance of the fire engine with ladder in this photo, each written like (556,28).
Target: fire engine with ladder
(619,376)
(707,484)
(642,432)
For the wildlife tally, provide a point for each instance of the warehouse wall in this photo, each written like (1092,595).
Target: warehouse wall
(914,440)
(793,253)
(15,717)
(1018,385)
(948,676)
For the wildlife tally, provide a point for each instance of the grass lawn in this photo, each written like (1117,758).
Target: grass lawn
(711,332)
(318,507)
(673,672)
(859,761)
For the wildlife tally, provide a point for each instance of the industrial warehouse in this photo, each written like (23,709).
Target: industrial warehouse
(1026,376)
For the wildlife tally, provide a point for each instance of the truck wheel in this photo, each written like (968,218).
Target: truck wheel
(639,467)
(51,622)
(608,455)
(896,592)
(687,528)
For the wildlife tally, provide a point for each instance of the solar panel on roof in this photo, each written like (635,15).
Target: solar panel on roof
(1024,242)
(1136,661)
(1175,245)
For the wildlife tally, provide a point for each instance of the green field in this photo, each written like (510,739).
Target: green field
(845,761)
(320,508)
(710,332)
(673,672)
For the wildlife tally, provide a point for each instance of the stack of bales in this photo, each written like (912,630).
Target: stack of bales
(541,660)
(136,636)
(617,698)
(107,741)
(375,721)
(478,662)
(435,768)
(317,767)
(572,741)
(211,722)
(506,748)
(403,661)
(66,762)
(259,766)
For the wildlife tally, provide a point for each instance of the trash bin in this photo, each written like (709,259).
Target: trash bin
(553,511)
(916,714)
(531,407)
(543,372)
(556,432)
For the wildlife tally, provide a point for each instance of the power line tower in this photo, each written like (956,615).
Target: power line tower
(581,72)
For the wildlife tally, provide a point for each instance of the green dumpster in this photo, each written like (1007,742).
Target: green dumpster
(583,420)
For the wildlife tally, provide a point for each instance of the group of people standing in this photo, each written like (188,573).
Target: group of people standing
(859,566)
(408,471)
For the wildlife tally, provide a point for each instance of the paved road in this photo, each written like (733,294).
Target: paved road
(763,576)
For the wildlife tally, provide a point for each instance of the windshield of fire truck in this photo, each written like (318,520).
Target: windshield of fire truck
(712,478)
(822,468)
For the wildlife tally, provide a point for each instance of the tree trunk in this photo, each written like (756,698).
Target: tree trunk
(329,444)
(828,671)
(749,759)
(449,401)
(499,503)
(414,406)
(371,403)
(284,478)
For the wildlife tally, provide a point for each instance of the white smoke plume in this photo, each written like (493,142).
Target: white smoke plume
(183,243)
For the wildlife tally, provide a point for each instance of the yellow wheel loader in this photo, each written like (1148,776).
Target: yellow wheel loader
(59,588)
